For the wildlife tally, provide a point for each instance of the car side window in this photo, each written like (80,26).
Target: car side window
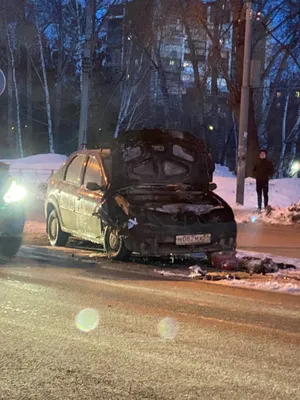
(73,174)
(93,172)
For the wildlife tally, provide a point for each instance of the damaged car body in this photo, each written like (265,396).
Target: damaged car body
(150,194)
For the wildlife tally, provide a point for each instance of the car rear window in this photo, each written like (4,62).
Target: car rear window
(73,174)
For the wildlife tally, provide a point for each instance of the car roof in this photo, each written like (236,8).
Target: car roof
(105,153)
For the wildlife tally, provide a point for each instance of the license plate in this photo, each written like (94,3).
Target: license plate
(185,240)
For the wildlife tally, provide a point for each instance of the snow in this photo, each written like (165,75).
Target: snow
(283,193)
(39,161)
(272,285)
(35,169)
(284,281)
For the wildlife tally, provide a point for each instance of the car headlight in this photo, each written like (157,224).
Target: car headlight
(15,193)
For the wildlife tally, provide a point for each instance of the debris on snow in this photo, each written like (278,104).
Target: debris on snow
(197,271)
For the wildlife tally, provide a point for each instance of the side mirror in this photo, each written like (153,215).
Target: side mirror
(94,187)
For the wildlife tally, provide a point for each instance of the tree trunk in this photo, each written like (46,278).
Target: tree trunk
(267,102)
(46,89)
(59,79)
(29,95)
(11,50)
(10,131)
(283,137)
(197,81)
(79,48)
(295,135)
(252,140)
(86,71)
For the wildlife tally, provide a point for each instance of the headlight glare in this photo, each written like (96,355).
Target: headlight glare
(15,193)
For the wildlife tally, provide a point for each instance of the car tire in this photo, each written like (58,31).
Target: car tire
(10,246)
(56,236)
(114,245)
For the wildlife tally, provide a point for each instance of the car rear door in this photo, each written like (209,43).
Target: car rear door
(89,224)
(69,192)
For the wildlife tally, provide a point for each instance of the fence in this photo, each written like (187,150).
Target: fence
(31,175)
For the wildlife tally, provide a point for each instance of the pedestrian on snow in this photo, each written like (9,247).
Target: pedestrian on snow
(263,171)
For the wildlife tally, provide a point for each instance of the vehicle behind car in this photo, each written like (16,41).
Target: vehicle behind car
(150,194)
(12,214)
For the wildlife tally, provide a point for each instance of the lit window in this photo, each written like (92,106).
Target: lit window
(172,62)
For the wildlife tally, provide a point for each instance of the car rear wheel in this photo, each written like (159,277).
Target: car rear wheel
(9,247)
(57,237)
(114,245)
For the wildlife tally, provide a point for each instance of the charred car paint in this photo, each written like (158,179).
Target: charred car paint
(151,194)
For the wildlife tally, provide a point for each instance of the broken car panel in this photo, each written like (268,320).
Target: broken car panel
(150,195)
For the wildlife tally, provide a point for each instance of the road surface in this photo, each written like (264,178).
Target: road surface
(231,343)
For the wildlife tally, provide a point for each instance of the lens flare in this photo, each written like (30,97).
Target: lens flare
(87,320)
(168,328)
(253,218)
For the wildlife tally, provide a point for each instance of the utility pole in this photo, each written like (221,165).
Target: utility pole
(244,108)
(86,74)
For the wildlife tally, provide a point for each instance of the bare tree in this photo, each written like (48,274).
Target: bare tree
(10,40)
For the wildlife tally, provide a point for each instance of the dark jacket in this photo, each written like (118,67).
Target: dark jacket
(263,170)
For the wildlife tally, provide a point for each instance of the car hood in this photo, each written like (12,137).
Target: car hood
(160,157)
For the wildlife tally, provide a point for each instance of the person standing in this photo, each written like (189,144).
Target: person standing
(263,171)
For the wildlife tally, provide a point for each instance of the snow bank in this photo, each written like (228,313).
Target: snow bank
(38,162)
(223,172)
(271,285)
(283,216)
(283,192)
(35,169)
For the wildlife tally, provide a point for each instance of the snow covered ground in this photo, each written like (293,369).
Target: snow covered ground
(35,169)
(283,194)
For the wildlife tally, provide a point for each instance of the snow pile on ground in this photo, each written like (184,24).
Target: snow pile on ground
(271,285)
(283,194)
(39,161)
(224,172)
(283,216)
(284,281)
(35,169)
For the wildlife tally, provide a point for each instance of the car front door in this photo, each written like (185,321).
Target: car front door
(89,224)
(69,192)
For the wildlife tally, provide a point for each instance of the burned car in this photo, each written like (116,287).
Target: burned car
(12,213)
(150,194)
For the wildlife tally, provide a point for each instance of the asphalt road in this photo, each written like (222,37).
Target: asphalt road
(231,343)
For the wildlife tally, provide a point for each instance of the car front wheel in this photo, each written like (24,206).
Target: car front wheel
(114,245)
(57,237)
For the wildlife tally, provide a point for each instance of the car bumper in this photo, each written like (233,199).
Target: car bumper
(12,220)
(159,241)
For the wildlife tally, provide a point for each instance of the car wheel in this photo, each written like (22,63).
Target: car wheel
(114,245)
(57,237)
(10,246)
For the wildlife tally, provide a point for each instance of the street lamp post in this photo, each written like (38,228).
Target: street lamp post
(244,109)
